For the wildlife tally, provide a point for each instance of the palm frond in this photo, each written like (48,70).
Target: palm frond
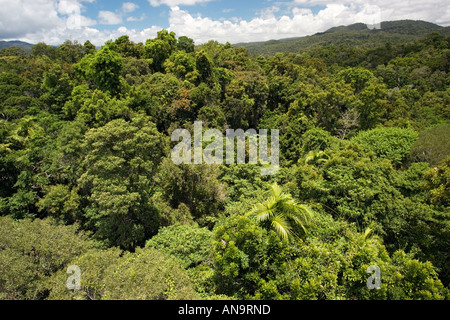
(306,212)
(282,213)
(310,157)
(282,227)
(276,191)
(288,206)
(368,233)
(261,212)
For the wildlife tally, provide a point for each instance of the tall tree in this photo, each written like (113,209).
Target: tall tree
(120,162)
(103,68)
(160,49)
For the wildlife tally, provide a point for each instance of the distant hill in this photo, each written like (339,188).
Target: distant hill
(355,35)
(8,44)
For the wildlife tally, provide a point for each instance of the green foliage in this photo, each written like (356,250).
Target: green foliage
(389,143)
(292,125)
(241,256)
(164,98)
(103,68)
(437,188)
(202,96)
(32,251)
(195,186)
(432,146)
(244,182)
(18,96)
(358,78)
(182,65)
(88,47)
(204,66)
(330,264)
(135,71)
(70,52)
(43,49)
(60,202)
(361,188)
(58,89)
(245,99)
(100,108)
(350,37)
(25,145)
(118,169)
(190,244)
(212,117)
(282,214)
(112,275)
(438,180)
(159,49)
(186,44)
(316,139)
(127,48)
(364,144)
(418,280)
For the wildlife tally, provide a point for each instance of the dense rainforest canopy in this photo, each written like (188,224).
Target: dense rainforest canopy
(87,179)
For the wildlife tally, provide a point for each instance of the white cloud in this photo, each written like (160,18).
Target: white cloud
(174,3)
(26,16)
(95,36)
(76,22)
(109,17)
(128,7)
(34,19)
(54,21)
(68,7)
(437,11)
(269,12)
(133,19)
(228,10)
(299,20)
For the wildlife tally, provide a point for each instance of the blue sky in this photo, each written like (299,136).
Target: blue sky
(214,9)
(54,21)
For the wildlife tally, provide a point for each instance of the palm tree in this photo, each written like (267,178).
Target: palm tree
(316,157)
(282,214)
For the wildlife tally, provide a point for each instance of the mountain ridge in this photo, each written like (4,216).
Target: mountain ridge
(15,43)
(355,34)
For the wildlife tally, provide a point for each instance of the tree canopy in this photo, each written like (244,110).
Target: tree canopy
(87,178)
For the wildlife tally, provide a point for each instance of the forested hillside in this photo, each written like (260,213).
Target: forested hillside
(350,37)
(18,44)
(87,178)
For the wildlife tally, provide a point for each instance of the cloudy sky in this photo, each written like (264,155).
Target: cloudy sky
(54,21)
